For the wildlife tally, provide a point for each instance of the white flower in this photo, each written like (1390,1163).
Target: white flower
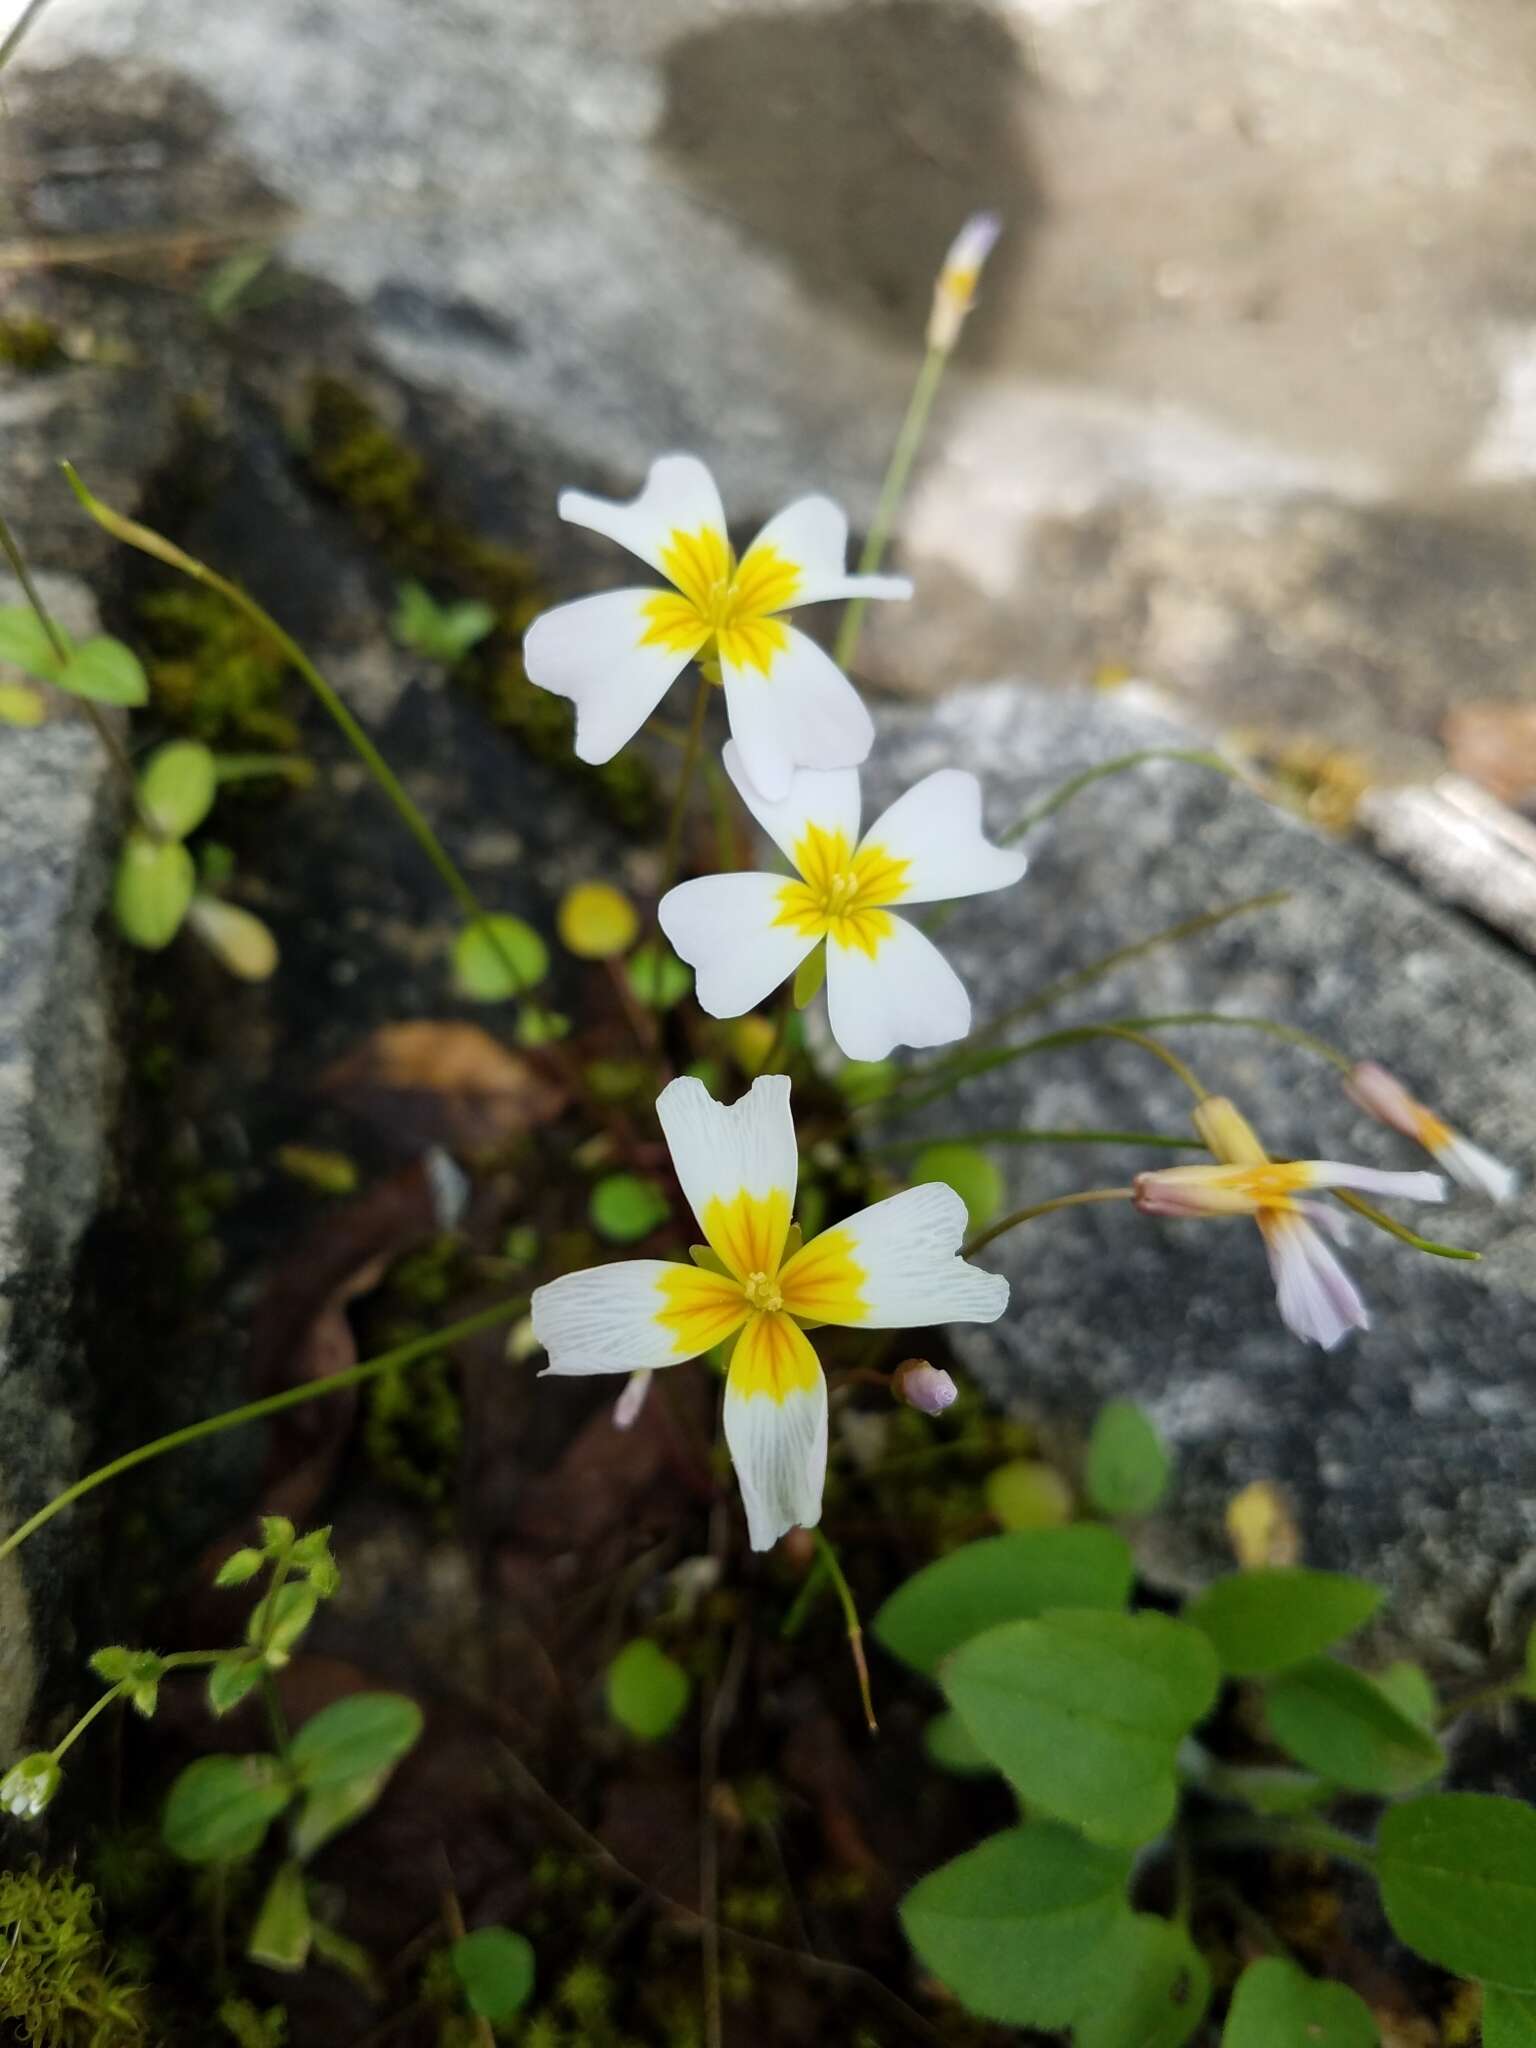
(615,656)
(954,291)
(1317,1298)
(28,1786)
(887,984)
(1384,1097)
(892,1266)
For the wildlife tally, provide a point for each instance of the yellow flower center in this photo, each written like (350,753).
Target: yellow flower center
(763,1292)
(721,609)
(842,893)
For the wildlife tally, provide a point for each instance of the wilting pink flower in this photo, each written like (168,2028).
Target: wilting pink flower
(924,1387)
(1384,1097)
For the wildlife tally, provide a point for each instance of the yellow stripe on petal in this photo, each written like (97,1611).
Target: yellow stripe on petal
(673,622)
(773,1360)
(824,1283)
(841,892)
(748,1231)
(699,1309)
(700,564)
(767,580)
(747,641)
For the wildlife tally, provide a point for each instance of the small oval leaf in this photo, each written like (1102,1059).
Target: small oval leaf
(355,1738)
(1127,1471)
(1277,2005)
(105,671)
(498,958)
(495,1969)
(1337,1722)
(647,1690)
(25,642)
(177,786)
(596,922)
(973,1176)
(152,890)
(626,1207)
(1149,1988)
(1268,1620)
(221,1806)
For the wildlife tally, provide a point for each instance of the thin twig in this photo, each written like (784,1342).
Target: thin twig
(851,1618)
(1018,1216)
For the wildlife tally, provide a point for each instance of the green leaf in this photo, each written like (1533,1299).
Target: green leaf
(138,1672)
(1001,1578)
(1458,1881)
(647,1690)
(1149,1988)
(626,1207)
(1509,2020)
(152,890)
(348,1956)
(1083,1712)
(114,1663)
(498,958)
(105,671)
(1128,1467)
(24,642)
(221,1806)
(442,632)
(232,1678)
(973,1176)
(239,1567)
(356,1737)
(282,1934)
(1013,1925)
(1408,1687)
(178,785)
(1026,1493)
(494,1967)
(1278,2006)
(1337,1722)
(809,976)
(278,1619)
(862,1081)
(1265,1621)
(330,1808)
(657,976)
(21,705)
(276,1535)
(952,1747)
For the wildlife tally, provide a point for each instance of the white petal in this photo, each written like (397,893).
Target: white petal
(606,1319)
(936,827)
(826,797)
(776,1426)
(724,927)
(593,652)
(908,994)
(626,1410)
(1318,1300)
(721,1150)
(679,497)
(811,537)
(1375,1180)
(804,713)
(1474,1168)
(907,1248)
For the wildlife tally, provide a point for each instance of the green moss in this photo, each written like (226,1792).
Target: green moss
(29,344)
(60,1986)
(212,673)
(413,1426)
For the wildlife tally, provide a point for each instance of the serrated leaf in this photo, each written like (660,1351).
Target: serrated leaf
(106,672)
(177,786)
(1337,1722)
(1509,2018)
(647,1690)
(1277,2005)
(1457,1872)
(627,1206)
(495,1969)
(152,890)
(1012,1926)
(354,1738)
(1083,1712)
(1266,1621)
(1127,1470)
(221,1806)
(498,958)
(283,1932)
(25,644)
(1149,1988)
(973,1176)
(1001,1578)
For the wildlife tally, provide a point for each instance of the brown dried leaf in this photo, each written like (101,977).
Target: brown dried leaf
(445,1083)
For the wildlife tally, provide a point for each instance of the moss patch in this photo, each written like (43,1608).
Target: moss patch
(61,1987)
(212,673)
(29,345)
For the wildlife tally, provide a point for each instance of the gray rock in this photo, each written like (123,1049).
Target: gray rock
(57,808)
(1408,1454)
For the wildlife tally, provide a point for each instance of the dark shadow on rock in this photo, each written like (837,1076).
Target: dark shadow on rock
(857,141)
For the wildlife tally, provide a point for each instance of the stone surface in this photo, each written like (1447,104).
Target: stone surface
(56,1068)
(1408,1454)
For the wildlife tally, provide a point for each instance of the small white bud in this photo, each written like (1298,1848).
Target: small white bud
(924,1387)
(954,293)
(28,1786)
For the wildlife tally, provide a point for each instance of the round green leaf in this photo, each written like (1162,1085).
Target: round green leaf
(1336,1722)
(1127,1465)
(105,671)
(1408,1687)
(657,976)
(152,890)
(1149,1988)
(952,1747)
(20,705)
(355,1738)
(626,1207)
(1084,1712)
(647,1690)
(1457,1872)
(24,642)
(1268,1620)
(498,958)
(1026,1493)
(1001,1578)
(178,786)
(220,1807)
(1278,2006)
(1509,2019)
(495,1968)
(1013,1925)
(973,1176)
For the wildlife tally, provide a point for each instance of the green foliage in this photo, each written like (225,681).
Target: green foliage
(1278,2006)
(1509,2019)
(1149,1988)
(656,975)
(497,959)
(21,706)
(1266,1621)
(1026,1493)
(25,643)
(354,1738)
(106,672)
(283,1932)
(249,2027)
(1340,1724)
(1084,1712)
(138,1672)
(974,1177)
(442,632)
(220,1807)
(951,1745)
(809,976)
(59,1985)
(1013,1925)
(647,1690)
(1001,1578)
(413,1427)
(1458,1881)
(627,1206)
(177,786)
(1128,1468)
(863,1081)
(152,890)
(495,1969)
(212,672)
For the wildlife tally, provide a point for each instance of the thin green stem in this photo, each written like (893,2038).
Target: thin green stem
(1197,757)
(256,1411)
(277,1720)
(1024,1136)
(1310,1837)
(773,1059)
(803,1601)
(92,1712)
(1401,1231)
(1289,1034)
(673,845)
(1028,1215)
(828,1557)
(908,440)
(1074,1034)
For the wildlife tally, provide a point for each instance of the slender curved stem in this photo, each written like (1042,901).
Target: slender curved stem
(255,1411)
(12,42)
(1024,1136)
(834,1572)
(909,439)
(1289,1034)
(96,1708)
(1017,1216)
(1074,1034)
(1197,757)
(1401,1231)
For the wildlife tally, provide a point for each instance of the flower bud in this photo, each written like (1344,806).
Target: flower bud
(923,1386)
(1228,1133)
(954,293)
(28,1786)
